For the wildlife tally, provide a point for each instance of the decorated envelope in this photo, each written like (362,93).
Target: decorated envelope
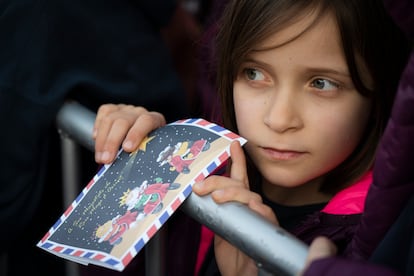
(128,201)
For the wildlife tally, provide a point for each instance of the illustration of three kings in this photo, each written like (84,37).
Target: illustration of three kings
(147,198)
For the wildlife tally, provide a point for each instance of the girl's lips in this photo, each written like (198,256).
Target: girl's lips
(279,154)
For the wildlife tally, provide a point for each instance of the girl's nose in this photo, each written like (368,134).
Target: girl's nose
(283,112)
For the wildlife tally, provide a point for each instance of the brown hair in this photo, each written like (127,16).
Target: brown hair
(368,35)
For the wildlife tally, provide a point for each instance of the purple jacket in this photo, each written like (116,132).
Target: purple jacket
(393,184)
(339,219)
(393,172)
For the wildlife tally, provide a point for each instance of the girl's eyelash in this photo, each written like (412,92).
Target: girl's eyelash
(247,71)
(330,82)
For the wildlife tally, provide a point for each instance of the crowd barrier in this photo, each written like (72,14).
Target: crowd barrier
(275,251)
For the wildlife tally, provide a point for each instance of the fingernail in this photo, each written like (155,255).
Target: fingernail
(98,156)
(105,156)
(128,145)
(198,185)
(217,193)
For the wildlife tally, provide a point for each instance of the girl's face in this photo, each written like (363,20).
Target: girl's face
(298,108)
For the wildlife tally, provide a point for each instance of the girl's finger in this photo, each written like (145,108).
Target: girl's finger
(101,139)
(102,127)
(263,210)
(143,125)
(225,189)
(102,113)
(113,140)
(235,193)
(321,247)
(238,170)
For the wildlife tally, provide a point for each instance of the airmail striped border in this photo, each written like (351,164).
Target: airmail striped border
(214,128)
(73,253)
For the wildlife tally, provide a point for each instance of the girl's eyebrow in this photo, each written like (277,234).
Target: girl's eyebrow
(258,62)
(328,70)
(253,60)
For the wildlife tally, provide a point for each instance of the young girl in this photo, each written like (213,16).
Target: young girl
(309,84)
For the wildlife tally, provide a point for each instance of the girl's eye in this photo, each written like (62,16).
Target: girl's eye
(324,84)
(253,74)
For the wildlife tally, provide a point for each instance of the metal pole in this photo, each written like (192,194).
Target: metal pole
(70,178)
(273,248)
(155,253)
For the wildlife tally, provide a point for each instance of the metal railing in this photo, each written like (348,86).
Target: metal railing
(274,250)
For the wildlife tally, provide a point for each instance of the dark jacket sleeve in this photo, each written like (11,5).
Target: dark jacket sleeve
(402,12)
(345,267)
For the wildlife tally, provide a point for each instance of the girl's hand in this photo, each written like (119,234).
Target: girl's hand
(122,124)
(321,247)
(230,260)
